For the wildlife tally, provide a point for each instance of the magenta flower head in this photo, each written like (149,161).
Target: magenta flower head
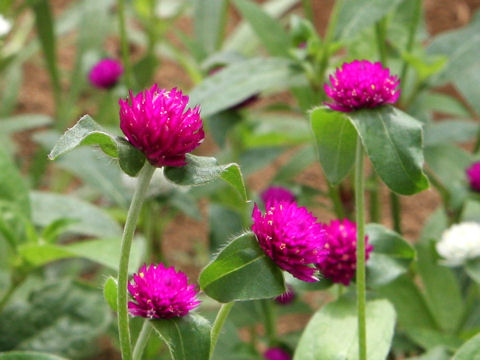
(156,123)
(276,353)
(361,85)
(473,174)
(287,297)
(341,263)
(105,73)
(277,193)
(291,237)
(161,293)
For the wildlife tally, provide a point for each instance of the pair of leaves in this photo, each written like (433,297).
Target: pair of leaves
(391,138)
(332,332)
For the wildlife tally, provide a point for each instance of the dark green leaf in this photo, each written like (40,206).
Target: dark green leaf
(241,80)
(252,160)
(473,270)
(110,292)
(103,251)
(242,271)
(201,170)
(332,332)
(209,23)
(391,256)
(130,158)
(85,132)
(393,142)
(53,230)
(299,161)
(354,16)
(224,223)
(449,131)
(336,139)
(470,350)
(28,355)
(465,83)
(90,220)
(436,353)
(67,320)
(268,29)
(442,290)
(429,339)
(187,338)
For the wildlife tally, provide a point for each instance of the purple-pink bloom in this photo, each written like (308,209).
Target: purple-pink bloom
(291,237)
(277,353)
(341,263)
(161,292)
(473,174)
(105,73)
(277,193)
(287,297)
(361,85)
(156,123)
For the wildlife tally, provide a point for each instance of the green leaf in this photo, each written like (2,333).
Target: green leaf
(187,338)
(442,290)
(336,140)
(465,83)
(271,33)
(255,159)
(239,81)
(85,132)
(472,268)
(331,334)
(355,16)
(90,220)
(299,161)
(110,292)
(12,186)
(391,256)
(393,142)
(28,355)
(67,320)
(202,170)
(449,131)
(224,223)
(470,350)
(130,158)
(103,251)
(242,271)
(436,353)
(209,22)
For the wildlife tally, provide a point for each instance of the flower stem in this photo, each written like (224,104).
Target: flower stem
(124,42)
(8,294)
(142,340)
(337,202)
(269,314)
(395,209)
(380,32)
(218,324)
(360,219)
(133,212)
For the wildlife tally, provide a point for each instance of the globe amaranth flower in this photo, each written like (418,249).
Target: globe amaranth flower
(105,73)
(361,85)
(277,353)
(287,297)
(155,122)
(291,237)
(473,174)
(161,292)
(341,263)
(277,193)
(459,243)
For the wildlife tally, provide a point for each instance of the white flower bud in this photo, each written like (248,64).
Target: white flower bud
(5,25)
(460,243)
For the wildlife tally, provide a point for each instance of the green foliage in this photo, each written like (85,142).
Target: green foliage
(110,288)
(28,355)
(187,337)
(241,271)
(469,351)
(332,332)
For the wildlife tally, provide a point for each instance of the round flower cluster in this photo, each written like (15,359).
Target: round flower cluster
(361,85)
(341,263)
(291,237)
(473,174)
(287,297)
(156,123)
(277,193)
(460,243)
(277,353)
(161,292)
(105,73)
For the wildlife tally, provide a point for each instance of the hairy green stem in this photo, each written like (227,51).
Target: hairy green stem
(8,294)
(124,43)
(395,208)
(360,219)
(374,199)
(381,35)
(142,340)
(270,325)
(334,193)
(132,217)
(218,324)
